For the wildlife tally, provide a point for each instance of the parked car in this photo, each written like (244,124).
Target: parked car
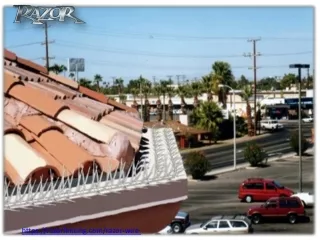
(278,207)
(271,125)
(222,225)
(166,230)
(306,198)
(180,222)
(261,189)
(307,119)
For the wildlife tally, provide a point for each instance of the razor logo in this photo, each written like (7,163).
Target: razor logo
(40,14)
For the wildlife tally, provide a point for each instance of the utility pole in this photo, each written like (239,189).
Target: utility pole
(254,55)
(46,43)
(183,78)
(154,80)
(178,78)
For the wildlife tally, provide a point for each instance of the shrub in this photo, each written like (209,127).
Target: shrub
(254,154)
(294,142)
(197,165)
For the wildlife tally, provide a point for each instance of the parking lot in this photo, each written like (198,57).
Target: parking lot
(219,195)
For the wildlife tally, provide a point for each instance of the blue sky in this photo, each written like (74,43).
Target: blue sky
(127,42)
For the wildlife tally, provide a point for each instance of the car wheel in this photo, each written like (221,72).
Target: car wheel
(292,218)
(248,199)
(256,218)
(176,227)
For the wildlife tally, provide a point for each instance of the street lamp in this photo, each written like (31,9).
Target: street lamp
(234,125)
(299,66)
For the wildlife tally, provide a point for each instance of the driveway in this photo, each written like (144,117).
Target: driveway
(219,196)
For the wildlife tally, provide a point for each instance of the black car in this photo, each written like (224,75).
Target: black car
(180,222)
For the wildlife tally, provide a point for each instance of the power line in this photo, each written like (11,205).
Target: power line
(161,36)
(155,54)
(23,45)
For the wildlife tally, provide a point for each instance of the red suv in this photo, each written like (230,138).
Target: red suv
(260,189)
(278,207)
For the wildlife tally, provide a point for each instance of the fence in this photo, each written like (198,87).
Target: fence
(160,162)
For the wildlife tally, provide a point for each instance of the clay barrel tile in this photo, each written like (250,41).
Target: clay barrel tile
(63,80)
(66,152)
(13,70)
(32,65)
(38,100)
(10,128)
(49,92)
(11,173)
(82,110)
(10,82)
(38,124)
(28,136)
(51,161)
(17,76)
(60,88)
(107,164)
(10,55)
(94,95)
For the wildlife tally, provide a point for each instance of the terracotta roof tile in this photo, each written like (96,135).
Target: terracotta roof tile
(32,96)
(33,109)
(10,82)
(46,90)
(38,125)
(32,65)
(83,110)
(26,75)
(11,173)
(9,63)
(94,95)
(63,80)
(10,55)
(10,127)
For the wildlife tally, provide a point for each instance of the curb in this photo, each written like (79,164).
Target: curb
(239,167)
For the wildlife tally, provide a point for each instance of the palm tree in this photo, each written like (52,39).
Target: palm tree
(96,81)
(207,82)
(184,91)
(71,75)
(196,90)
(119,83)
(85,83)
(157,91)
(171,92)
(146,90)
(57,69)
(123,99)
(246,94)
(208,116)
(64,69)
(222,74)
(164,89)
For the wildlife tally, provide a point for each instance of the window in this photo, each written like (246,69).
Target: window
(283,203)
(212,224)
(292,203)
(254,186)
(238,224)
(272,204)
(278,185)
(224,224)
(270,186)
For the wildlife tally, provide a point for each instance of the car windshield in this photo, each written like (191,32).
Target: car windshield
(278,185)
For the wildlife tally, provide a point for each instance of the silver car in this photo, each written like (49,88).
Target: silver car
(222,224)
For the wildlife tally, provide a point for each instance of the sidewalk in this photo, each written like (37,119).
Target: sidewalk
(226,143)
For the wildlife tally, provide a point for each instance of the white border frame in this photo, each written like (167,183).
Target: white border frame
(185,3)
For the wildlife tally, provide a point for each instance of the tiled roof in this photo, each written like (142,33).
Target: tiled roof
(53,125)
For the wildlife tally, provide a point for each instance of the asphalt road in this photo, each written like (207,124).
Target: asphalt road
(277,143)
(219,196)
